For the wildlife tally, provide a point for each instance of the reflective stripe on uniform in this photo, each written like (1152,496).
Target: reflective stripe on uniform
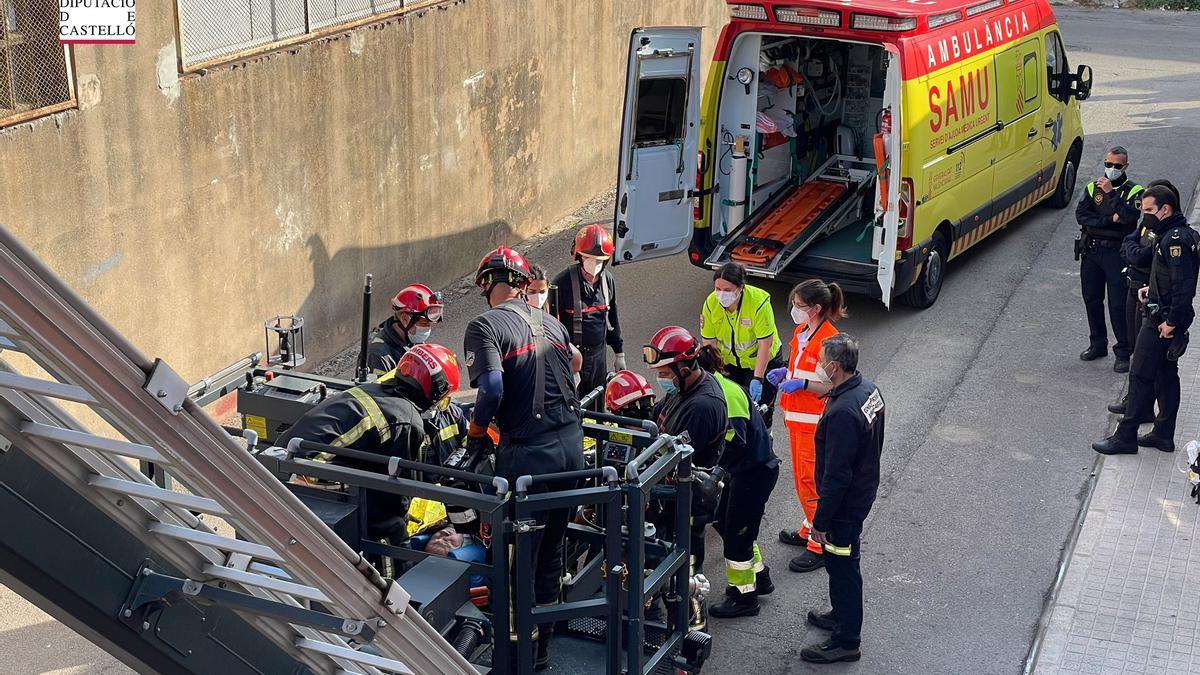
(837,550)
(740,574)
(448,433)
(798,374)
(374,414)
(758,560)
(803,418)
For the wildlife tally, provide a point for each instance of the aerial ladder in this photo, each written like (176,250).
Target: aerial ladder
(150,569)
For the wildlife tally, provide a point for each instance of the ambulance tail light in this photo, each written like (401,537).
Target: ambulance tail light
(943,19)
(753,12)
(810,16)
(698,200)
(904,235)
(886,23)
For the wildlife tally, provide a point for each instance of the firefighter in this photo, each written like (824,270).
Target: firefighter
(415,309)
(1164,334)
(815,306)
(739,321)
(849,443)
(1137,250)
(693,403)
(629,395)
(1106,213)
(538,290)
(520,359)
(383,418)
(750,470)
(587,306)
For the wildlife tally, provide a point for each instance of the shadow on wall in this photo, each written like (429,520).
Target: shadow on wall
(337,279)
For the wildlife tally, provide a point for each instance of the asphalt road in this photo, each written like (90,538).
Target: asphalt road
(990,412)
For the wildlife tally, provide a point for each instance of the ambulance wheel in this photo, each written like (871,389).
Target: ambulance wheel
(929,284)
(1066,185)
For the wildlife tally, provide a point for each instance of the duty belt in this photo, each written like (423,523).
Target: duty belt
(1103,243)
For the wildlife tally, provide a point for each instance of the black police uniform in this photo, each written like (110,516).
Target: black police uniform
(539,421)
(589,313)
(1100,264)
(700,411)
(1137,250)
(849,441)
(1172,288)
(373,417)
(385,347)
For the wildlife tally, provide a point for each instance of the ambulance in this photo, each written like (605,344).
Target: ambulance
(866,142)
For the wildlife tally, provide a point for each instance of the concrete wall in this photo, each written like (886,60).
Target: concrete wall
(189,210)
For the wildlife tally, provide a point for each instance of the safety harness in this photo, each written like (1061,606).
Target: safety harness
(535,320)
(577,285)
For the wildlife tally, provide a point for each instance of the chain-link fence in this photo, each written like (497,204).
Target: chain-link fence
(216,29)
(35,73)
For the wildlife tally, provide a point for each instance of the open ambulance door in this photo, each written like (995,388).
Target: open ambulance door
(660,138)
(887,227)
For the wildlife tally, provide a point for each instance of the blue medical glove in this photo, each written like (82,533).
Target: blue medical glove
(776,376)
(755,390)
(792,386)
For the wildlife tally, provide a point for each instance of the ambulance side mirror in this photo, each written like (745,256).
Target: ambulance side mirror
(1083,83)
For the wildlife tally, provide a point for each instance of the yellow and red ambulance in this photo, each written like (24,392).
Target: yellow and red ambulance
(865,142)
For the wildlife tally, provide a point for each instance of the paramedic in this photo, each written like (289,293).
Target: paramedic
(587,306)
(739,321)
(750,471)
(849,444)
(383,418)
(1106,213)
(520,359)
(415,309)
(1164,336)
(1137,250)
(815,306)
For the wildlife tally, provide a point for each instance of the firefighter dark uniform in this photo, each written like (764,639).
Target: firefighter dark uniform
(589,310)
(392,338)
(385,347)
(849,443)
(1100,267)
(751,471)
(1172,289)
(589,313)
(373,417)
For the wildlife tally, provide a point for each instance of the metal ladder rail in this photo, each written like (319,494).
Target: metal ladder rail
(91,354)
(78,468)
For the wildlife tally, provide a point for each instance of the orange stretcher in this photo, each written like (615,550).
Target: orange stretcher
(803,207)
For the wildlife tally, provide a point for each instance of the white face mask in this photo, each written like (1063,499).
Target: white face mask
(538,299)
(593,266)
(799,316)
(421,335)
(823,375)
(727,298)
(1113,173)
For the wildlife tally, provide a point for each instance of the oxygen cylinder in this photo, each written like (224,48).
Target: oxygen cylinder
(739,170)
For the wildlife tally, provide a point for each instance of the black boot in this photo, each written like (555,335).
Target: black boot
(829,652)
(1094,352)
(792,538)
(823,621)
(762,582)
(736,604)
(807,562)
(542,660)
(1152,440)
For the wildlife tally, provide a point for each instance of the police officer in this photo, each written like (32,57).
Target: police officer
(1137,250)
(587,306)
(738,319)
(520,360)
(383,418)
(750,470)
(849,443)
(1163,338)
(1106,213)
(415,309)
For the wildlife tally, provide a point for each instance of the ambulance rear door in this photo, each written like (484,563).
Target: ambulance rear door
(887,228)
(660,138)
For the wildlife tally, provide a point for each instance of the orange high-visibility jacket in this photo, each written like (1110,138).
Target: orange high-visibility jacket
(805,407)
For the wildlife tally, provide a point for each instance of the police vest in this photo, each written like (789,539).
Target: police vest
(805,407)
(1146,239)
(1173,241)
(737,333)
(1127,191)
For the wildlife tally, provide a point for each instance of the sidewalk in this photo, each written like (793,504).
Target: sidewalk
(1130,596)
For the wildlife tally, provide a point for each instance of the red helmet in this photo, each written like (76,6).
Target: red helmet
(673,344)
(503,265)
(420,301)
(593,240)
(433,368)
(624,389)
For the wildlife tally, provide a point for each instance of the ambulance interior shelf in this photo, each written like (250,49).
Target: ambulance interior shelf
(811,170)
